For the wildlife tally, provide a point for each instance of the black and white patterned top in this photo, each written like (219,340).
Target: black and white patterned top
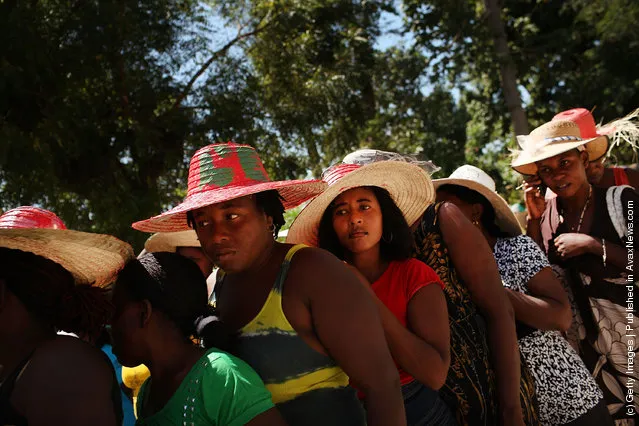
(565,388)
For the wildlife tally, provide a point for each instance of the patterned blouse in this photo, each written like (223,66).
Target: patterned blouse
(557,368)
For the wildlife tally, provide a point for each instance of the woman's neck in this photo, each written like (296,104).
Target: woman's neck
(491,240)
(369,263)
(260,264)
(576,202)
(170,361)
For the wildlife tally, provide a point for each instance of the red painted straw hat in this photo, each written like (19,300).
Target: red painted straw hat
(93,259)
(222,172)
(30,217)
(589,130)
(409,186)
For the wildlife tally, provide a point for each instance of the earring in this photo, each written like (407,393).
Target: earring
(271,227)
(389,240)
(476,222)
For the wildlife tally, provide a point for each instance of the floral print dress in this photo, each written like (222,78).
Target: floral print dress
(556,367)
(470,388)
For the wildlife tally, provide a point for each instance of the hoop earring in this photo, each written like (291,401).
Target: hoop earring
(390,240)
(272,228)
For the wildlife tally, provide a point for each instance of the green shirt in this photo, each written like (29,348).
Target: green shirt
(220,390)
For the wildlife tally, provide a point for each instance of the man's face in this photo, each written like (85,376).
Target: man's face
(233,234)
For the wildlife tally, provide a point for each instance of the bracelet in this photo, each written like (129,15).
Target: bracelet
(603,256)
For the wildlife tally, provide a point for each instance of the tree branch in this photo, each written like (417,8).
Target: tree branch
(240,36)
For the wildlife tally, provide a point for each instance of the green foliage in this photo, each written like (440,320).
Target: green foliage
(102,103)
(576,53)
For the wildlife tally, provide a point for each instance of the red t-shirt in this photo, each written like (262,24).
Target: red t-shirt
(397,285)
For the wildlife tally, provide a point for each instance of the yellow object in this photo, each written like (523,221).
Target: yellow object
(133,378)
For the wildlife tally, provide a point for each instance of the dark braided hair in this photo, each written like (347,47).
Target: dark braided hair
(470,196)
(269,202)
(175,286)
(49,292)
(397,239)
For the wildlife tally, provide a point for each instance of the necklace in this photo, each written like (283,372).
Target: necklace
(583,212)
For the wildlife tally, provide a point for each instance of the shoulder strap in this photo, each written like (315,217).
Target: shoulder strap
(6,389)
(279,281)
(281,276)
(615,209)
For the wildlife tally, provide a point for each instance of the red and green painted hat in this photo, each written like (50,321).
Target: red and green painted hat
(222,172)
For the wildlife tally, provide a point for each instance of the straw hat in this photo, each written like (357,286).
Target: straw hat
(170,241)
(588,130)
(408,185)
(222,172)
(550,139)
(91,258)
(30,217)
(478,180)
(367,156)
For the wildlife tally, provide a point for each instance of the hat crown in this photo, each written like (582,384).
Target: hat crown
(582,118)
(472,173)
(337,172)
(224,165)
(30,217)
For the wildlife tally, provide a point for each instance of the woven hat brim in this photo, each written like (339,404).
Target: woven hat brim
(93,259)
(504,217)
(525,161)
(294,193)
(170,241)
(410,187)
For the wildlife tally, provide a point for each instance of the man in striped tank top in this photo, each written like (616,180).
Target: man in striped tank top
(303,321)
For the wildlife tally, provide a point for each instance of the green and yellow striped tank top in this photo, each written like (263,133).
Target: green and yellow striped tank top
(308,387)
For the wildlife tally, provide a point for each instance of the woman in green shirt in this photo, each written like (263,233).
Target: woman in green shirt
(161,303)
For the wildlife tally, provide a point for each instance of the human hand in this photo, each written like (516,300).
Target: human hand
(534,199)
(574,244)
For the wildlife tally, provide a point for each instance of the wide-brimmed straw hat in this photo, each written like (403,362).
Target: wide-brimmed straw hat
(31,217)
(476,179)
(170,241)
(93,259)
(550,139)
(409,186)
(222,172)
(588,130)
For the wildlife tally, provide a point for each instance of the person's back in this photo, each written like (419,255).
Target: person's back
(54,380)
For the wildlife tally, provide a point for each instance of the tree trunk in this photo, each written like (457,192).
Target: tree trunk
(507,70)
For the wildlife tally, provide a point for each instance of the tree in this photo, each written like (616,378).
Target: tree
(97,121)
(566,54)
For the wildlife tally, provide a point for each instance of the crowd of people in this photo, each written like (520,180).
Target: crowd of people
(397,299)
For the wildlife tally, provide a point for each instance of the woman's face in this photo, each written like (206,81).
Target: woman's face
(565,173)
(127,327)
(196,254)
(233,234)
(595,170)
(465,207)
(357,220)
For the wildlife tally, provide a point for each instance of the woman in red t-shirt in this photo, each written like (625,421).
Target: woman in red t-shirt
(364,226)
